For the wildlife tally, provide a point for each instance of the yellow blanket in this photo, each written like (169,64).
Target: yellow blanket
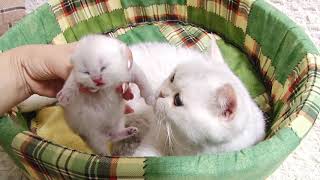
(51,125)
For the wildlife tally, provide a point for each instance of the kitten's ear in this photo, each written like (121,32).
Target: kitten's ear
(225,102)
(214,51)
(128,55)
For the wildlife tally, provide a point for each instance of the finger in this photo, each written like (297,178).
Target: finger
(48,88)
(69,50)
(59,61)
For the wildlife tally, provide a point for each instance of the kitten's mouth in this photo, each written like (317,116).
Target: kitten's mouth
(99,83)
(85,89)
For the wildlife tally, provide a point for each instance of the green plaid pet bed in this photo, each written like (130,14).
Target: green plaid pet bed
(270,53)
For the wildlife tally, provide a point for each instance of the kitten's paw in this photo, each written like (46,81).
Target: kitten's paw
(150,100)
(132,131)
(64,97)
(123,134)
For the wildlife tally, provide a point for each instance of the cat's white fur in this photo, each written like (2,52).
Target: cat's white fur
(96,113)
(218,114)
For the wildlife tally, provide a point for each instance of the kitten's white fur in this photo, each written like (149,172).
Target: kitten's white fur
(97,115)
(218,114)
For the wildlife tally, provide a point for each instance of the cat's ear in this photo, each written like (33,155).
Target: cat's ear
(225,102)
(128,55)
(214,51)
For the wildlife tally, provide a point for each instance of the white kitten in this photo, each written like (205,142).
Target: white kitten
(202,106)
(92,107)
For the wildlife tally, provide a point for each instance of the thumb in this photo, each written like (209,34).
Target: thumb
(59,62)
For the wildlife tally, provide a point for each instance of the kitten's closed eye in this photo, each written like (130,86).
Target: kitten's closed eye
(102,68)
(172,78)
(177,100)
(86,72)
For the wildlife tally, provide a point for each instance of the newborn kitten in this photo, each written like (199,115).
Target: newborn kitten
(202,107)
(92,107)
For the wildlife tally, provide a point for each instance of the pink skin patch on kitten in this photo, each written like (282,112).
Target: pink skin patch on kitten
(128,110)
(85,90)
(127,95)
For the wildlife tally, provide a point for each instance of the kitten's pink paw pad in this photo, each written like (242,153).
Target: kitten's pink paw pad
(63,97)
(132,131)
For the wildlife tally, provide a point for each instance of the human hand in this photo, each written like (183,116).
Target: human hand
(33,69)
(42,68)
(36,69)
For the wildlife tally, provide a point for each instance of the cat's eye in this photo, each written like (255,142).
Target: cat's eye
(177,100)
(87,72)
(103,68)
(172,78)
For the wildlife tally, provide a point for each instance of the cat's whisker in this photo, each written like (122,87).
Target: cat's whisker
(159,129)
(169,137)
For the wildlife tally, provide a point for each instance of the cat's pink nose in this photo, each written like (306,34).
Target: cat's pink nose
(161,95)
(98,81)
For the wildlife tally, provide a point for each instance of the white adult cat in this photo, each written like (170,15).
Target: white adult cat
(92,107)
(202,107)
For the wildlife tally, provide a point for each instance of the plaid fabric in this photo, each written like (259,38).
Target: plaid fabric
(234,11)
(293,94)
(263,63)
(295,99)
(119,32)
(44,160)
(299,100)
(185,35)
(71,12)
(10,13)
(157,12)
(75,16)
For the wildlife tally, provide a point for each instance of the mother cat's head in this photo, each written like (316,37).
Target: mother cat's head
(205,102)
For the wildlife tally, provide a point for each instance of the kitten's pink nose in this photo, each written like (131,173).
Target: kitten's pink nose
(98,81)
